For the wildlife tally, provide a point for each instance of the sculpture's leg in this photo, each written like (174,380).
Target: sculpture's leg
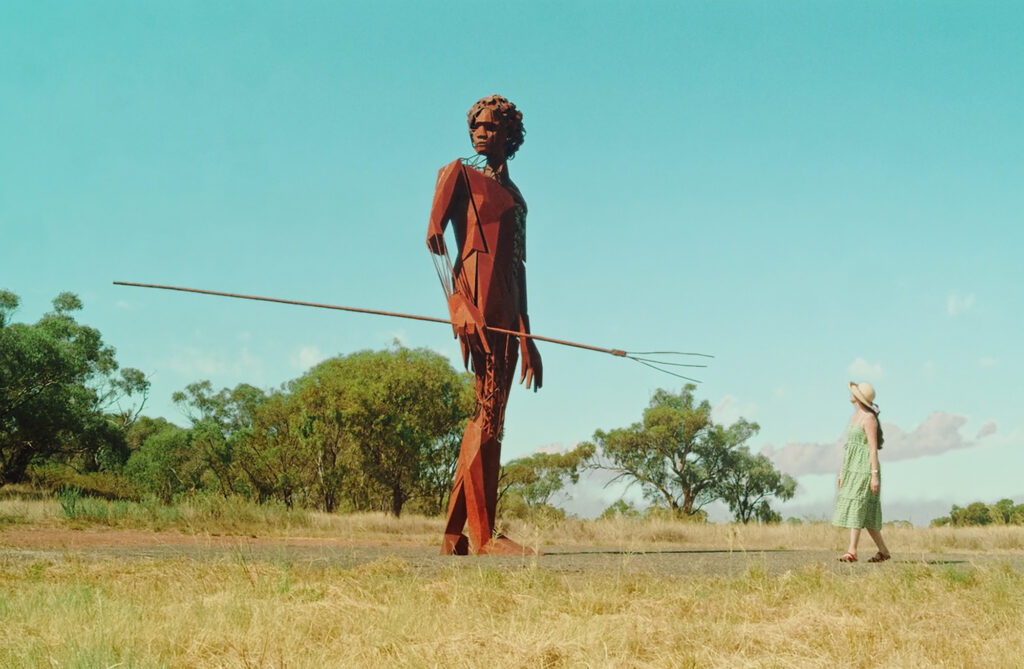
(466,505)
(474,497)
(454,541)
(490,452)
(479,524)
(455,544)
(495,389)
(495,545)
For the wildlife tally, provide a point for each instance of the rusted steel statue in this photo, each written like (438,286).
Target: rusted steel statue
(486,288)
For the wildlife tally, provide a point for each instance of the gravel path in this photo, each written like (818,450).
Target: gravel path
(30,545)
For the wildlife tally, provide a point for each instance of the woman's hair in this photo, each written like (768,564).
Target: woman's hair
(510,116)
(874,409)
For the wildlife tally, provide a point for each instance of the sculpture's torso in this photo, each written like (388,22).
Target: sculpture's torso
(490,227)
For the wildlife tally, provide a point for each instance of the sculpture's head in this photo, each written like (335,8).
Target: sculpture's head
(495,127)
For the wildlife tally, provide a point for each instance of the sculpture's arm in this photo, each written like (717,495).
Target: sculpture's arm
(531,369)
(467,321)
(445,204)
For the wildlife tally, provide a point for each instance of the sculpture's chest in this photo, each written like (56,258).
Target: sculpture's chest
(496,221)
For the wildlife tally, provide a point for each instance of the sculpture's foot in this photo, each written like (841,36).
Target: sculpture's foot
(455,544)
(502,545)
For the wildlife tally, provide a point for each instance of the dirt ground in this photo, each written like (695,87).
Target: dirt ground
(47,543)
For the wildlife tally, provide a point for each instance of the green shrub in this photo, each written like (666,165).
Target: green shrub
(51,477)
(69,497)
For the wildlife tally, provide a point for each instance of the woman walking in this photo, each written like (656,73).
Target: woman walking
(858,504)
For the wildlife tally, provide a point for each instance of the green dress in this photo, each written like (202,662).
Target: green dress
(856,505)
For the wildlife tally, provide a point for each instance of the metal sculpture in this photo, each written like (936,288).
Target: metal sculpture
(485,288)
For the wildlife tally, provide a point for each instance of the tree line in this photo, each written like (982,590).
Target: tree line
(373,430)
(1003,512)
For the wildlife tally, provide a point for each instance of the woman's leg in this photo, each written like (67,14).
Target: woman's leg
(877,536)
(854,540)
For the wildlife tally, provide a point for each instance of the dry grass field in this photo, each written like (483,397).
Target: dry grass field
(243,586)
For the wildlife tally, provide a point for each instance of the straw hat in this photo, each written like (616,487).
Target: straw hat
(864,392)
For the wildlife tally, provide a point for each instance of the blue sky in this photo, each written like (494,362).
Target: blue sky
(812,192)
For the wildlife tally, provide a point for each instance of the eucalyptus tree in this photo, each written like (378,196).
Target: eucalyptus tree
(749,486)
(383,425)
(58,383)
(677,454)
(528,484)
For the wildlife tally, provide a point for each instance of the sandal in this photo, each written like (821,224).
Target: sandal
(848,557)
(879,557)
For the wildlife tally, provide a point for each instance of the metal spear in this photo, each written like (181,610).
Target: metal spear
(395,314)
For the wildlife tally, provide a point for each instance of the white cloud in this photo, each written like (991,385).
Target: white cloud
(987,361)
(191,361)
(553,449)
(596,491)
(248,362)
(798,459)
(957,303)
(862,369)
(196,363)
(940,432)
(986,429)
(307,357)
(729,410)
(929,367)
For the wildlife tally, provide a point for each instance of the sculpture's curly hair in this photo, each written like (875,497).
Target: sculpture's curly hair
(512,117)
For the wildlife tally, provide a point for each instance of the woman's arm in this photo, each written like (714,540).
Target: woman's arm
(871,430)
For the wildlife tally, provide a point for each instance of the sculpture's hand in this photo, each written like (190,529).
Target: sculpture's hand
(467,321)
(436,244)
(532,368)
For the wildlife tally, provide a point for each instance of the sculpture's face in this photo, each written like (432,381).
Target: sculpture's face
(488,133)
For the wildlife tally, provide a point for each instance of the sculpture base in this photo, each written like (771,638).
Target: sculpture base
(458,544)
(502,545)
